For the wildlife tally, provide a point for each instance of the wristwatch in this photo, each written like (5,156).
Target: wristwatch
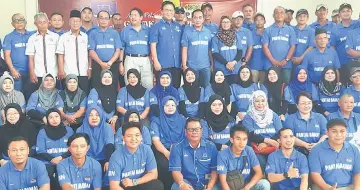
(135,182)
(287,59)
(286,175)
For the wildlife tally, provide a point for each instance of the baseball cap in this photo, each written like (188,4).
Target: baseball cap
(344,5)
(353,70)
(335,12)
(290,10)
(301,11)
(180,10)
(259,14)
(318,7)
(336,122)
(237,14)
(204,5)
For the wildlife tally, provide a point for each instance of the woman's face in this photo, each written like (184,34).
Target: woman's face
(132,79)
(133,118)
(170,107)
(54,119)
(8,85)
(217,107)
(107,79)
(260,103)
(245,74)
(190,77)
(94,118)
(49,83)
(219,77)
(330,76)
(302,76)
(72,85)
(304,105)
(226,24)
(165,80)
(272,76)
(12,115)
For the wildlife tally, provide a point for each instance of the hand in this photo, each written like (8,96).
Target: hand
(106,166)
(113,120)
(66,123)
(185,68)
(283,62)
(166,154)
(157,65)
(89,73)
(33,78)
(312,145)
(71,119)
(185,186)
(240,115)
(45,121)
(56,160)
(3,162)
(230,65)
(121,69)
(272,142)
(127,182)
(308,146)
(334,187)
(293,172)
(224,146)
(243,63)
(104,65)
(15,73)
(327,113)
(297,60)
(141,116)
(261,146)
(282,117)
(61,74)
(276,63)
(109,64)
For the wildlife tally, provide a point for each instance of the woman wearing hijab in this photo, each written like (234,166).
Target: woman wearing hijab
(329,90)
(51,144)
(279,94)
(218,122)
(43,99)
(105,97)
(101,135)
(191,95)
(166,131)
(220,86)
(134,97)
(74,100)
(263,123)
(16,124)
(242,92)
(227,50)
(9,95)
(132,116)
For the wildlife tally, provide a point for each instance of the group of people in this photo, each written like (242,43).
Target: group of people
(258,108)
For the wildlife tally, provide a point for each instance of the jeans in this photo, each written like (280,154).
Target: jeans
(175,186)
(262,184)
(204,76)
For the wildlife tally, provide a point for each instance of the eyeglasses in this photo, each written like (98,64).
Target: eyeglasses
(355,76)
(191,130)
(226,22)
(305,103)
(104,18)
(17,21)
(12,114)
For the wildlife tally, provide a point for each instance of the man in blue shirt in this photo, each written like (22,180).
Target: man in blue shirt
(87,20)
(279,44)
(257,60)
(23,172)
(289,16)
(207,10)
(287,168)
(353,45)
(335,163)
(193,161)
(117,22)
(335,16)
(249,16)
(180,16)
(165,44)
(79,171)
(354,89)
(133,165)
(57,23)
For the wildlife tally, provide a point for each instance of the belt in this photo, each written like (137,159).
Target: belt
(137,55)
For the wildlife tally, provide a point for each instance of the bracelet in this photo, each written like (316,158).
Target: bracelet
(90,68)
(182,183)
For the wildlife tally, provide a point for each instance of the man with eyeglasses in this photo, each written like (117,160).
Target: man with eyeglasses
(354,89)
(117,22)
(193,161)
(14,52)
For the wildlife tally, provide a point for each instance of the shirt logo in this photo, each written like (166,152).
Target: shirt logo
(185,155)
(143,163)
(177,29)
(87,178)
(317,126)
(349,160)
(330,62)
(111,39)
(163,28)
(204,155)
(33,180)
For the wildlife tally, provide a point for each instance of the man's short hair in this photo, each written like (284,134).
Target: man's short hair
(18,138)
(238,127)
(167,3)
(140,12)
(56,13)
(129,125)
(304,94)
(115,14)
(76,136)
(192,119)
(103,11)
(246,5)
(87,8)
(40,15)
(197,10)
(282,129)
(336,122)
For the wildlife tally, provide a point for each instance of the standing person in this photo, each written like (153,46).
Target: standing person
(72,53)
(14,53)
(322,22)
(87,20)
(165,44)
(353,45)
(258,58)
(335,17)
(104,49)
(57,23)
(117,22)
(180,16)
(354,89)
(207,10)
(289,16)
(279,44)
(196,53)
(249,17)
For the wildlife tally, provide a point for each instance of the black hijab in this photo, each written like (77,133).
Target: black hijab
(107,94)
(329,88)
(138,90)
(223,89)
(274,89)
(217,122)
(249,82)
(192,90)
(54,132)
(130,112)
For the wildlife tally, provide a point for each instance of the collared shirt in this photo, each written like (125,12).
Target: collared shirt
(192,109)
(198,44)
(167,36)
(104,43)
(316,61)
(61,32)
(124,164)
(33,176)
(277,163)
(33,103)
(250,26)
(309,130)
(87,177)
(118,138)
(213,27)
(195,164)
(35,47)
(305,39)
(221,137)
(125,100)
(75,51)
(135,42)
(329,27)
(279,40)
(89,30)
(227,161)
(258,58)
(267,132)
(353,123)
(356,96)
(208,92)
(330,103)
(353,42)
(165,138)
(245,39)
(335,167)
(242,95)
(94,99)
(15,42)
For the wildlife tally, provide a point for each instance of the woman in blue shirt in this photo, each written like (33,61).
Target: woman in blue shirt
(191,95)
(51,144)
(74,100)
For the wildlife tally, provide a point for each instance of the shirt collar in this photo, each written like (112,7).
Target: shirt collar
(128,153)
(12,167)
(298,114)
(243,153)
(166,22)
(142,27)
(326,146)
(61,31)
(201,144)
(194,28)
(276,26)
(353,22)
(306,28)
(101,31)
(71,33)
(292,157)
(18,33)
(352,115)
(38,33)
(327,23)
(85,165)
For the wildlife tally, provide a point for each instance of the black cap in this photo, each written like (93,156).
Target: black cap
(75,14)
(90,9)
(353,70)
(204,5)
(320,31)
(180,10)
(301,11)
(290,10)
(344,5)
(336,122)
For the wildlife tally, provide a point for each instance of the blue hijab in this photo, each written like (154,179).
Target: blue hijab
(171,126)
(296,86)
(160,91)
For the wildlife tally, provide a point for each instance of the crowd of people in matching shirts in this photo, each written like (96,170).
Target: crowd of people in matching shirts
(258,108)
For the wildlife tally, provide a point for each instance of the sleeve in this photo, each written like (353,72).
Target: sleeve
(293,38)
(222,163)
(175,162)
(30,46)
(215,48)
(219,58)
(271,164)
(121,98)
(152,98)
(277,122)
(304,164)
(306,59)
(265,37)
(41,147)
(356,168)
(314,162)
(154,129)
(63,176)
(59,102)
(118,43)
(336,63)
(118,141)
(146,136)
(146,99)
(97,182)
(323,124)
(122,38)
(348,44)
(154,34)
(33,100)
(182,95)
(91,41)
(248,123)
(93,97)
(185,39)
(214,151)
(249,39)
(83,103)
(312,39)
(252,158)
(239,54)
(151,163)
(115,168)
(205,129)
(42,175)
(60,49)
(7,43)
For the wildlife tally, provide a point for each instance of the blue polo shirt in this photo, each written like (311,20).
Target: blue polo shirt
(356,96)
(352,42)
(250,26)
(118,139)
(242,95)
(16,43)
(316,61)
(191,108)
(156,132)
(135,42)
(213,27)
(221,137)
(208,92)
(195,164)
(279,40)
(353,123)
(82,29)
(168,37)
(245,39)
(33,103)
(267,132)
(258,58)
(198,43)
(227,161)
(87,177)
(335,167)
(329,27)
(330,103)
(94,99)
(126,101)
(55,148)
(124,164)
(104,43)
(277,163)
(305,39)
(309,130)
(33,176)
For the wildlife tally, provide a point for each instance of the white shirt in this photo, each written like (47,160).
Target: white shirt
(67,47)
(35,47)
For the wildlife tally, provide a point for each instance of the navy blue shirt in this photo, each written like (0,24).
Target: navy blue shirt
(258,58)
(353,123)
(104,43)
(305,39)
(135,42)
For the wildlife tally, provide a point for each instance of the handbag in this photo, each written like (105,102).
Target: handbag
(235,179)
(265,151)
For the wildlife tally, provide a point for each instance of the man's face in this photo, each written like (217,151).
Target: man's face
(239,140)
(198,19)
(237,22)
(79,148)
(259,21)
(18,152)
(56,21)
(346,104)
(302,19)
(345,14)
(103,19)
(132,137)
(321,40)
(86,15)
(337,134)
(179,16)
(135,18)
(117,21)
(336,19)
(194,131)
(207,13)
(248,13)
(355,78)
(279,14)
(287,140)
(289,17)
(42,23)
(168,12)
(19,22)
(75,23)
(322,13)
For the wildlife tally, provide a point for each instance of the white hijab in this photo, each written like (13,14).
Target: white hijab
(263,118)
